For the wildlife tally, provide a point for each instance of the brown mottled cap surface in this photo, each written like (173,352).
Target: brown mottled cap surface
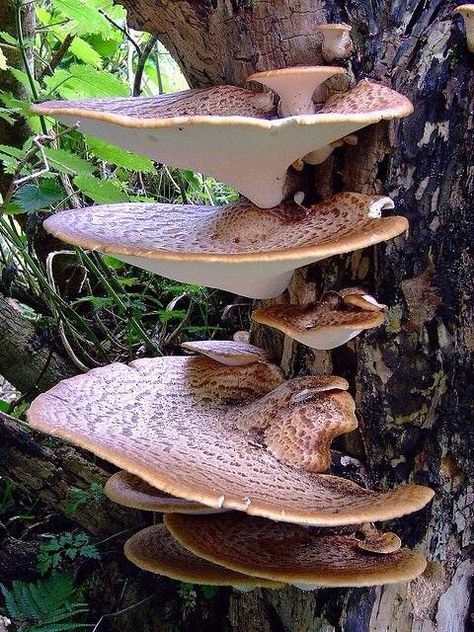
(226,247)
(290,553)
(132,491)
(323,325)
(177,423)
(244,149)
(230,352)
(154,549)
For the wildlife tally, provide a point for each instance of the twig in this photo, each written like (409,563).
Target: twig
(123,611)
(57,56)
(143,56)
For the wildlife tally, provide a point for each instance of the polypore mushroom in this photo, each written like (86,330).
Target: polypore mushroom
(129,490)
(236,247)
(295,86)
(237,144)
(337,43)
(230,352)
(179,424)
(155,550)
(326,324)
(289,553)
(377,542)
(467,12)
(320,155)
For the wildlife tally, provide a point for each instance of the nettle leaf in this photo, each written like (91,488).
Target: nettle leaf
(15,152)
(85,52)
(83,80)
(86,18)
(5,115)
(43,16)
(8,39)
(34,197)
(23,78)
(101,191)
(118,156)
(65,162)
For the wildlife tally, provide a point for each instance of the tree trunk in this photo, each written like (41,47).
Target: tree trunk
(411,378)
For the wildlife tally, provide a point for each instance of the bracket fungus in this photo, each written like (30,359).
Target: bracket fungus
(306,558)
(334,320)
(238,143)
(235,247)
(337,42)
(232,353)
(154,549)
(131,491)
(197,429)
(467,12)
(295,86)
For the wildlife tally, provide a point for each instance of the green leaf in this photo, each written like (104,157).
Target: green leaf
(23,78)
(65,162)
(86,18)
(118,156)
(5,115)
(83,80)
(34,197)
(4,405)
(101,191)
(112,262)
(8,39)
(15,152)
(84,51)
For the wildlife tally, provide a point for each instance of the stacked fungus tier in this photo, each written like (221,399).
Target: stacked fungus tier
(236,456)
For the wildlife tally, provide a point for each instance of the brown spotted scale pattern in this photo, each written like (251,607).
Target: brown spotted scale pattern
(338,224)
(170,421)
(367,96)
(215,101)
(155,550)
(288,552)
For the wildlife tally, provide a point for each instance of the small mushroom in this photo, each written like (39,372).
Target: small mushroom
(324,325)
(155,550)
(337,43)
(131,491)
(195,428)
(320,155)
(229,352)
(295,86)
(235,247)
(467,12)
(289,553)
(227,132)
(377,542)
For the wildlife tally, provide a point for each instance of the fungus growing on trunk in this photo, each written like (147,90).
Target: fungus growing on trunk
(306,558)
(208,432)
(334,320)
(154,549)
(467,12)
(295,86)
(210,131)
(230,352)
(236,247)
(337,42)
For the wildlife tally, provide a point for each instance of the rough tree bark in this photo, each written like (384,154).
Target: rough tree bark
(411,377)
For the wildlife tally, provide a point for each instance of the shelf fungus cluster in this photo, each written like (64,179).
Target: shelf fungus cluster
(236,457)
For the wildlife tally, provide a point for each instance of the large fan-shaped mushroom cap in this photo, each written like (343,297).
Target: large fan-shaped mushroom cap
(290,553)
(218,434)
(235,247)
(154,549)
(324,325)
(200,130)
(132,491)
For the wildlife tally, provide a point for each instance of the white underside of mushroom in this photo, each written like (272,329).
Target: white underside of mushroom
(252,158)
(326,338)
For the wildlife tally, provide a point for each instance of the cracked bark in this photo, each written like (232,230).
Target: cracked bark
(411,377)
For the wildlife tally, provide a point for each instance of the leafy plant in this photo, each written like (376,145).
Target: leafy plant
(48,605)
(67,546)
(77,497)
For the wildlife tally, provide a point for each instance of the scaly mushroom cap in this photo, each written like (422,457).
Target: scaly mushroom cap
(201,430)
(467,12)
(288,553)
(337,43)
(155,550)
(132,491)
(236,247)
(377,542)
(249,152)
(295,86)
(324,325)
(230,352)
